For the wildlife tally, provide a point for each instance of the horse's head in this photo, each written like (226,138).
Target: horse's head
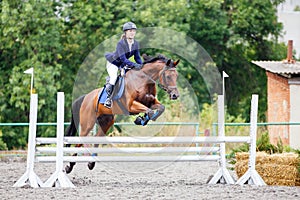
(168,78)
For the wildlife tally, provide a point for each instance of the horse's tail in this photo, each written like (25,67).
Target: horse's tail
(72,129)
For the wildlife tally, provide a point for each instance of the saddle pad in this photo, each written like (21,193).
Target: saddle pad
(117,93)
(102,96)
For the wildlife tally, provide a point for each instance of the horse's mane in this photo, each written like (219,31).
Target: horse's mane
(149,59)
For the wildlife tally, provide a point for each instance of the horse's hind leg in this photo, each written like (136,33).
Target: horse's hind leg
(69,168)
(85,128)
(104,122)
(72,129)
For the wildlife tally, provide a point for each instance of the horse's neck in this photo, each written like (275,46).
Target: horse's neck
(152,70)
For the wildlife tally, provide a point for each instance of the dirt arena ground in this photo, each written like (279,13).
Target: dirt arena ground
(180,180)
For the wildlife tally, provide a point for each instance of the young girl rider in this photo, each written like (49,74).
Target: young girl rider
(126,48)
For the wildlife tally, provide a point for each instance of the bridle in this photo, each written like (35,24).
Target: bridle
(166,88)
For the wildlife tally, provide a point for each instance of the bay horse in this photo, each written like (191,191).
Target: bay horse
(139,96)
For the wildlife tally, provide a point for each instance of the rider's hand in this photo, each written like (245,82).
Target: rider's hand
(137,66)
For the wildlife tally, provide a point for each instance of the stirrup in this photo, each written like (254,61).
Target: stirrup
(107,103)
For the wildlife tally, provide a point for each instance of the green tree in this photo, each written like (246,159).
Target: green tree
(30,37)
(87,24)
(254,31)
(55,37)
(233,32)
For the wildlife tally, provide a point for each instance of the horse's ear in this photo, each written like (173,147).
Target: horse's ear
(169,62)
(145,56)
(176,62)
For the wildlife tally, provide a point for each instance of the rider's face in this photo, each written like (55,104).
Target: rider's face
(130,34)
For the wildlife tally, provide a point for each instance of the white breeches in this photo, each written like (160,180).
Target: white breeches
(112,71)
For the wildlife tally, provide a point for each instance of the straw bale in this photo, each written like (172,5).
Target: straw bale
(275,181)
(241,167)
(242,156)
(261,157)
(291,159)
(298,180)
(276,169)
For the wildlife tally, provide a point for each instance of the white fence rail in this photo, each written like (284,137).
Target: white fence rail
(60,179)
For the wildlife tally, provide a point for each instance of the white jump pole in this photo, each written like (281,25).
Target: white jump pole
(147,140)
(251,176)
(59,178)
(29,177)
(222,175)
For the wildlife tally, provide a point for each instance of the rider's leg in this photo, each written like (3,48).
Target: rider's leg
(109,91)
(113,74)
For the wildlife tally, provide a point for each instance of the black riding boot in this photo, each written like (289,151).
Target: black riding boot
(109,90)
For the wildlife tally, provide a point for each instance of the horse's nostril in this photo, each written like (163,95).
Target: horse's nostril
(174,96)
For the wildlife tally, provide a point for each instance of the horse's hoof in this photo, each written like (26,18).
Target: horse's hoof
(138,120)
(68,169)
(144,123)
(91,165)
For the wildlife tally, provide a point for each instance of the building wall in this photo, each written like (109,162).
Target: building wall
(294,112)
(278,107)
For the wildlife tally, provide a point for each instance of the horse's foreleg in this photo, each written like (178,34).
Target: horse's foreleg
(151,114)
(137,107)
(159,110)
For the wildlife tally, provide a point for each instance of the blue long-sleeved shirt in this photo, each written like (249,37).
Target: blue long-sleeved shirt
(122,54)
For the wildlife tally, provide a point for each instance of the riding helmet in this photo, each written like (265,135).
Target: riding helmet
(128,26)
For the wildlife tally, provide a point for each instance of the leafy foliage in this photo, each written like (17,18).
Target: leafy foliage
(55,37)
(3,146)
(262,144)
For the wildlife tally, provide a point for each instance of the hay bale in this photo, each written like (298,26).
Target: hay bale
(290,159)
(298,180)
(261,157)
(276,169)
(278,182)
(241,167)
(242,156)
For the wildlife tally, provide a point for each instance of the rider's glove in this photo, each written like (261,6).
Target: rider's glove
(137,66)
